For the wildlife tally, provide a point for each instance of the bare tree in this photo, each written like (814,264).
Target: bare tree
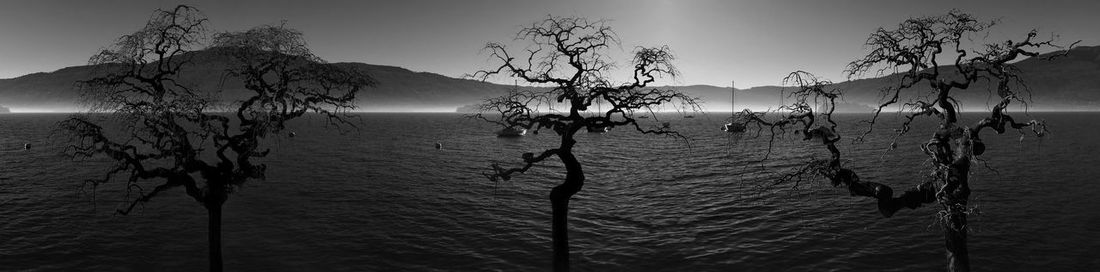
(915,49)
(568,55)
(162,133)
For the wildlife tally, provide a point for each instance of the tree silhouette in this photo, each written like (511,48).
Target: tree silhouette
(163,133)
(568,55)
(915,48)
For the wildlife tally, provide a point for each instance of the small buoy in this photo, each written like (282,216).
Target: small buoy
(292,134)
(27,146)
(438,146)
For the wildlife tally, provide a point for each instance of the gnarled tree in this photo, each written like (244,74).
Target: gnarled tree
(569,56)
(162,133)
(915,49)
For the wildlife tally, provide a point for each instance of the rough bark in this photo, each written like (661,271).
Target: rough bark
(958,260)
(917,45)
(954,203)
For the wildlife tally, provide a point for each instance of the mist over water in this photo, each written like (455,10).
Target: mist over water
(382,198)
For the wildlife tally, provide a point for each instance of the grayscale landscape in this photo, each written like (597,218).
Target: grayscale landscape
(610,135)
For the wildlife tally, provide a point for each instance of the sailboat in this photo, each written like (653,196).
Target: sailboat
(598,129)
(511,132)
(733,126)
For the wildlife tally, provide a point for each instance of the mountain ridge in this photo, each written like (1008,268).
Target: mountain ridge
(1068,83)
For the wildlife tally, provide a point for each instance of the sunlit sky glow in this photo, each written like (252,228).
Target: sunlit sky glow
(753,42)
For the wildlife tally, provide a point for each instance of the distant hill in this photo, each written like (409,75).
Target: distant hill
(1068,83)
(1071,82)
(399,89)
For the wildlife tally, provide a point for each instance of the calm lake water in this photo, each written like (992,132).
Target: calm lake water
(382,198)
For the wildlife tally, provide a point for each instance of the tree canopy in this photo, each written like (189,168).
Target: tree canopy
(162,132)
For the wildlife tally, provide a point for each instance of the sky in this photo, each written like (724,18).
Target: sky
(754,43)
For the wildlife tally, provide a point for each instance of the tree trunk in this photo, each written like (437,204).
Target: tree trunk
(559,200)
(213,205)
(958,259)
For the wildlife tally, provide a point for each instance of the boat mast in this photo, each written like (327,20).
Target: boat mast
(733,93)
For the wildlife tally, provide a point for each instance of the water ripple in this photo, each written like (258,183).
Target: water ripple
(383,198)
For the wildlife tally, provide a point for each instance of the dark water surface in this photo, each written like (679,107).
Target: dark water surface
(383,198)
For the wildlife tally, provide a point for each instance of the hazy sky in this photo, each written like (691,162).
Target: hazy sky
(753,42)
